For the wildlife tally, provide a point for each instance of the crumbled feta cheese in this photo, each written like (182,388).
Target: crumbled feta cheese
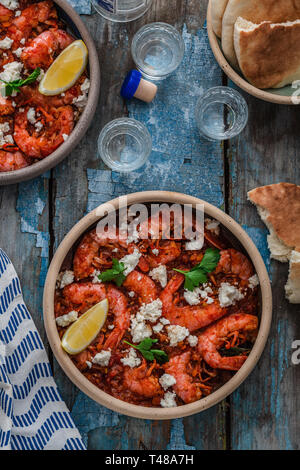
(160,274)
(169,400)
(151,312)
(167,380)
(6,43)
(132,360)
(4,128)
(213,226)
(193,297)
(115,250)
(21,110)
(155,251)
(18,13)
(253,281)
(196,244)
(65,278)
(133,235)
(157,328)
(22,41)
(10,4)
(131,294)
(102,358)
(11,71)
(65,136)
(18,52)
(89,364)
(164,321)
(111,327)
(229,295)
(31,116)
(96,279)
(67,319)
(192,340)
(85,86)
(177,334)
(39,126)
(131,261)
(139,329)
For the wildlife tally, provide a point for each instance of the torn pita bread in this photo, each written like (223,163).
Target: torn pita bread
(256,11)
(279,207)
(292,287)
(217,12)
(268,54)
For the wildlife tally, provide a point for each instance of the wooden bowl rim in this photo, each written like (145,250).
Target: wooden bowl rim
(32,171)
(233,75)
(118,405)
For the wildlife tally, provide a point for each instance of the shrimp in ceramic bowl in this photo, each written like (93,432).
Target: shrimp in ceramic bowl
(32,37)
(173,340)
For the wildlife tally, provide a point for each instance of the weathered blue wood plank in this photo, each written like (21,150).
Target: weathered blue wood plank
(24,235)
(264,410)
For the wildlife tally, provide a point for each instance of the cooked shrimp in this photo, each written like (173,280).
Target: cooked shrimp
(192,317)
(186,388)
(118,306)
(140,381)
(232,261)
(10,161)
(142,285)
(42,14)
(81,359)
(214,337)
(40,143)
(81,297)
(87,257)
(42,50)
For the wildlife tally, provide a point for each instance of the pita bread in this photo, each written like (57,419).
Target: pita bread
(268,53)
(279,207)
(292,287)
(257,11)
(217,12)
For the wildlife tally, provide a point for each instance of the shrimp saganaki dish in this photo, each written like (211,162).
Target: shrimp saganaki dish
(197,337)
(32,125)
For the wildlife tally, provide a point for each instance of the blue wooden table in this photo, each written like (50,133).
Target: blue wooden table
(264,412)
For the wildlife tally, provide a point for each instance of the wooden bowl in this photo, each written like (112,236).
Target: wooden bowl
(78,29)
(272,95)
(242,241)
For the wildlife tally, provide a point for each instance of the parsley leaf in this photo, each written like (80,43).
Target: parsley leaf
(234,351)
(114,274)
(198,274)
(15,85)
(150,354)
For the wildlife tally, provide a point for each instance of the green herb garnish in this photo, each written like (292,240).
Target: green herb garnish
(198,274)
(150,354)
(233,351)
(15,85)
(114,274)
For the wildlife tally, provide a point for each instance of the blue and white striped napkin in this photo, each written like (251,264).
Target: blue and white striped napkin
(32,413)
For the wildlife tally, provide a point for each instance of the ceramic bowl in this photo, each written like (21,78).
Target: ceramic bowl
(237,237)
(279,96)
(79,31)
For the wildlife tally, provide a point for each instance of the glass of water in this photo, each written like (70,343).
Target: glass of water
(124,144)
(157,50)
(122,10)
(221,113)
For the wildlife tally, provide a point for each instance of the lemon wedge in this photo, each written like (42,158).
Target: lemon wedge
(65,70)
(84,330)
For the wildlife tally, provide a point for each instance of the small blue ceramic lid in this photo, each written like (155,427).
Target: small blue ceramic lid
(130,84)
